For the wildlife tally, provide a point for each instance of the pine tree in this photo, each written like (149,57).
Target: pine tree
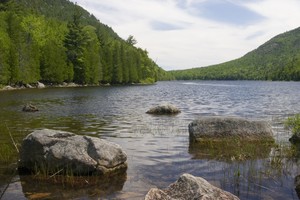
(4,49)
(117,65)
(124,61)
(92,63)
(13,30)
(74,42)
(107,63)
(53,63)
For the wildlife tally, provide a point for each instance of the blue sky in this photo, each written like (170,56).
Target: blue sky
(226,12)
(180,34)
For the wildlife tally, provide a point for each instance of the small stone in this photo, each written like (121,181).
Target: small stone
(30,108)
(166,109)
(28,86)
(40,85)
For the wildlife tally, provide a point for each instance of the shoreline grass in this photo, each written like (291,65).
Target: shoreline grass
(293,123)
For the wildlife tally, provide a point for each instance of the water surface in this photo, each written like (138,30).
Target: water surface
(158,147)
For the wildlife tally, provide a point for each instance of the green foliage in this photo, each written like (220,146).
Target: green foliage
(293,124)
(57,41)
(91,57)
(148,81)
(75,42)
(5,46)
(277,59)
(54,68)
(131,40)
(23,53)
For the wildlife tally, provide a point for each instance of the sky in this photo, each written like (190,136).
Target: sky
(182,34)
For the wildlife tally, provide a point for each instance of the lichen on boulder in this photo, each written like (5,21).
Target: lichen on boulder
(60,150)
(219,128)
(190,187)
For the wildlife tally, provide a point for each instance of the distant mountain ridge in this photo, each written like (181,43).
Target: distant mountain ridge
(277,59)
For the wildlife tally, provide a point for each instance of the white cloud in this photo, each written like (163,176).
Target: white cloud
(177,39)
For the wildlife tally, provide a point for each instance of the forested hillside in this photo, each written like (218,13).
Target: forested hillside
(57,41)
(277,59)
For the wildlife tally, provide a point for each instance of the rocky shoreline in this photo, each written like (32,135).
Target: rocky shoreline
(40,85)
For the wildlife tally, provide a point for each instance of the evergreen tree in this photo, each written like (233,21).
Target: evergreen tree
(133,62)
(92,63)
(131,40)
(107,63)
(13,31)
(54,68)
(75,41)
(124,61)
(117,73)
(4,49)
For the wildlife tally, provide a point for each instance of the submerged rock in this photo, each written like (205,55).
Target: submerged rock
(225,127)
(229,149)
(54,150)
(190,187)
(295,139)
(30,108)
(297,185)
(79,187)
(166,109)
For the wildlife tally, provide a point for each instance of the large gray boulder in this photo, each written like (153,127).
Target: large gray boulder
(226,127)
(188,187)
(166,109)
(54,150)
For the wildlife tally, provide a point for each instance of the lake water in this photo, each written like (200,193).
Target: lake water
(158,147)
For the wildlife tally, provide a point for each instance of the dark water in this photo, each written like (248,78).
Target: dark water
(158,147)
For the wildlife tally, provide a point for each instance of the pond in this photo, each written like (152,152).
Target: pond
(158,147)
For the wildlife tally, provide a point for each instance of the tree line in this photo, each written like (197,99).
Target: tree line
(37,47)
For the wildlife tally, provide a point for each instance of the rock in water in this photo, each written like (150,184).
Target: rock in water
(8,87)
(28,86)
(295,139)
(30,108)
(225,127)
(297,185)
(190,187)
(40,85)
(167,109)
(60,150)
